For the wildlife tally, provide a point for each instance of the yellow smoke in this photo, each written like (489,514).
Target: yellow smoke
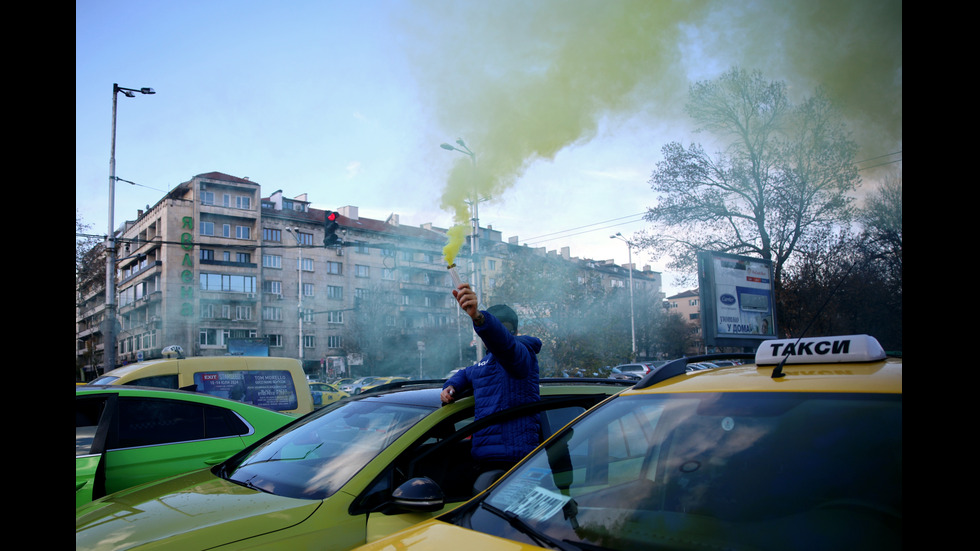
(521,81)
(456,235)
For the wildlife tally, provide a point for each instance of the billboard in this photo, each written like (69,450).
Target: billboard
(737,300)
(248,347)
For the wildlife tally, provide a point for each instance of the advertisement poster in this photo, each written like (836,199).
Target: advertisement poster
(269,389)
(743,291)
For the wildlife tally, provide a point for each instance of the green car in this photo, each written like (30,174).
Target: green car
(342,476)
(127,435)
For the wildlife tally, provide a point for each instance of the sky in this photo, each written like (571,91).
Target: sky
(565,103)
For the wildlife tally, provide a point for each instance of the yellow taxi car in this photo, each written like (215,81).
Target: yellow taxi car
(325,394)
(800,450)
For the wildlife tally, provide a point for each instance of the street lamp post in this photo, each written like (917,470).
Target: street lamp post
(109,344)
(629,247)
(299,308)
(475,236)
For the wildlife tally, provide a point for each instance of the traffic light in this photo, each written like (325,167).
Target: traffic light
(330,226)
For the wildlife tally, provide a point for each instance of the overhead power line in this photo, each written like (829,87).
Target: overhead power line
(604,224)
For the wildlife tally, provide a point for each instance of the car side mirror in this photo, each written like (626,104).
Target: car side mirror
(420,495)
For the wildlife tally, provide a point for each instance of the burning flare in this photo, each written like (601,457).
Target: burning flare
(456,236)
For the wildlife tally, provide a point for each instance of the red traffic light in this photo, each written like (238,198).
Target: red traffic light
(330,226)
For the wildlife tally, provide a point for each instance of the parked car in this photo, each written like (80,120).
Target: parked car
(126,435)
(278,384)
(336,478)
(802,450)
(325,394)
(380,381)
(638,369)
(355,386)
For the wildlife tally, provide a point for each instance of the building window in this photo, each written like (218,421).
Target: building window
(228,282)
(207,254)
(210,337)
(271,313)
(272,286)
(307,314)
(272,234)
(335,317)
(243,313)
(309,341)
(491,265)
(335,292)
(304,238)
(335,268)
(361,270)
(275,341)
(207,197)
(243,232)
(307,264)
(243,202)
(272,261)
(334,341)
(307,289)
(207,228)
(243,258)
(388,274)
(361,248)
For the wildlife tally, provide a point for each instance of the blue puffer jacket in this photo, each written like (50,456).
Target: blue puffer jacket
(507,376)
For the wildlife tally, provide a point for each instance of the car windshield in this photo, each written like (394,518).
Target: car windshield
(104,380)
(319,454)
(697,471)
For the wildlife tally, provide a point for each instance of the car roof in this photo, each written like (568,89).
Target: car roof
(427,392)
(866,368)
(158,391)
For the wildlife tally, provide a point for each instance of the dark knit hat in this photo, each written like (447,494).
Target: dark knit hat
(505,314)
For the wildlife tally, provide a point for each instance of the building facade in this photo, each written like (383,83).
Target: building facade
(216,268)
(688,305)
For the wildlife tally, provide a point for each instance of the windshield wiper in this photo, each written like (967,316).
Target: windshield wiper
(249,484)
(539,538)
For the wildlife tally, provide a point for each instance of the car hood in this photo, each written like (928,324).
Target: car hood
(196,510)
(435,535)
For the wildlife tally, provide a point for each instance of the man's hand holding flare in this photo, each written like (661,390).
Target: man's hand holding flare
(468,302)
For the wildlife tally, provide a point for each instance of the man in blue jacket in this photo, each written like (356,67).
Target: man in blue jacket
(507,376)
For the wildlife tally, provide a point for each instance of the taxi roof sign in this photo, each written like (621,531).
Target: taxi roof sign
(838,349)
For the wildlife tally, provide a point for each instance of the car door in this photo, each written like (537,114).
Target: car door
(152,438)
(443,455)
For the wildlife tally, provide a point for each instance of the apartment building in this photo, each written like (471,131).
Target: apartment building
(688,305)
(217,267)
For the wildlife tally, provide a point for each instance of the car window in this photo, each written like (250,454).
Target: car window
(710,470)
(443,455)
(156,381)
(271,389)
(322,452)
(153,421)
(88,412)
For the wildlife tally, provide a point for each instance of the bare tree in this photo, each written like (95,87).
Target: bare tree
(785,169)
